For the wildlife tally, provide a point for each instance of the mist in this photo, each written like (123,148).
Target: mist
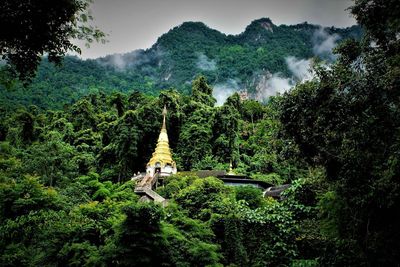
(300,68)
(268,84)
(204,63)
(222,91)
(117,60)
(132,59)
(272,84)
(324,44)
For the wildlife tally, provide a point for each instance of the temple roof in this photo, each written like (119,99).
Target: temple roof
(162,153)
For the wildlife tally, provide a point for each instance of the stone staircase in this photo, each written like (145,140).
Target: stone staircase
(144,189)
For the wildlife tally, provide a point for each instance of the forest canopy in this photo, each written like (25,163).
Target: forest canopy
(66,197)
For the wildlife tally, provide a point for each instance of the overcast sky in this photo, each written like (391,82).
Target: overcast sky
(135,24)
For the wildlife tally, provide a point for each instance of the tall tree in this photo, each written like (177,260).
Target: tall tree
(202,92)
(226,130)
(195,136)
(348,122)
(139,240)
(30,29)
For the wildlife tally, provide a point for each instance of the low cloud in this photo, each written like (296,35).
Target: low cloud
(300,68)
(268,84)
(222,91)
(324,43)
(204,63)
(132,59)
(271,84)
(117,60)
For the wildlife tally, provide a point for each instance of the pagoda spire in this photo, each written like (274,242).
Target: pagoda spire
(161,160)
(164,113)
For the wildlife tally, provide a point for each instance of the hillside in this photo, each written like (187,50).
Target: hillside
(233,62)
(168,178)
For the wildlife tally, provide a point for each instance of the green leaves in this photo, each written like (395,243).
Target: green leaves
(52,160)
(26,195)
(202,197)
(43,27)
(202,92)
(346,121)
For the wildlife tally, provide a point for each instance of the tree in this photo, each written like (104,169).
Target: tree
(138,239)
(226,129)
(202,92)
(30,29)
(52,160)
(252,195)
(127,136)
(24,196)
(381,20)
(188,242)
(195,136)
(83,115)
(27,122)
(348,122)
(173,101)
(252,111)
(203,197)
(119,101)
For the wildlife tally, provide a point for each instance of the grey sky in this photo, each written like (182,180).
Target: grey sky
(134,24)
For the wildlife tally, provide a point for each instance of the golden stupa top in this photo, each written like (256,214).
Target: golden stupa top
(162,153)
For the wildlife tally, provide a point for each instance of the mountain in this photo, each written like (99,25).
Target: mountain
(243,61)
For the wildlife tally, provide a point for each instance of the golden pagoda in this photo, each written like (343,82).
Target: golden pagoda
(161,160)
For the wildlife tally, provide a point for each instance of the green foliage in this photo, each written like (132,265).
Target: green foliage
(225,130)
(347,121)
(252,195)
(26,195)
(203,197)
(196,133)
(271,178)
(86,155)
(65,192)
(259,237)
(47,27)
(256,234)
(174,183)
(81,254)
(189,241)
(202,92)
(173,61)
(304,263)
(139,236)
(52,159)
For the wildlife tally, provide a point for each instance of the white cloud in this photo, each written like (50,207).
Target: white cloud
(118,61)
(204,63)
(222,91)
(324,43)
(132,59)
(270,85)
(300,68)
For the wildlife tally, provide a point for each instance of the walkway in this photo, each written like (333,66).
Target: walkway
(144,188)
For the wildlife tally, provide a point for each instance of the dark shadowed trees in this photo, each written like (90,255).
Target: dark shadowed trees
(348,122)
(30,29)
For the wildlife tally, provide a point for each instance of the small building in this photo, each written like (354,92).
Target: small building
(161,161)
